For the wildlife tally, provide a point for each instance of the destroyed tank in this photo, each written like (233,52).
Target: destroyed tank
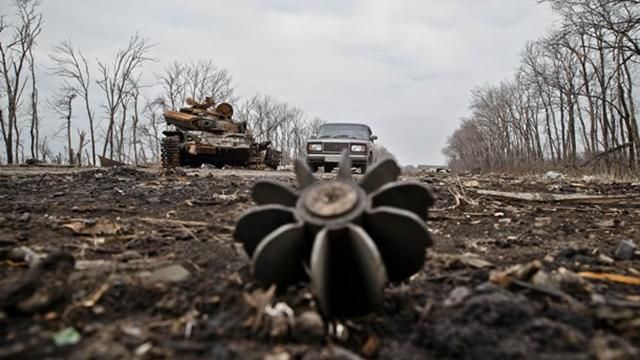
(204,133)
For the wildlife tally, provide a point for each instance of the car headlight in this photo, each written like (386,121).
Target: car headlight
(358,148)
(314,147)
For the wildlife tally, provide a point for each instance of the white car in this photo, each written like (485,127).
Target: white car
(326,147)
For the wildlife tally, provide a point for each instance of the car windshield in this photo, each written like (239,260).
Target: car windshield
(347,131)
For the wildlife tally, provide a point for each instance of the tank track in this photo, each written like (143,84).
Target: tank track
(170,152)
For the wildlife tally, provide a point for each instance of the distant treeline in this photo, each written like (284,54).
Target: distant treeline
(571,103)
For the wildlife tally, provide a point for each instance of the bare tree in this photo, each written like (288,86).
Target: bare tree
(205,79)
(150,128)
(45,151)
(35,121)
(72,66)
(61,104)
(197,80)
(286,126)
(135,95)
(16,41)
(120,128)
(115,81)
(81,144)
(173,83)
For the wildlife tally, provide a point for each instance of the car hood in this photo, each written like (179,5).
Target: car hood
(339,140)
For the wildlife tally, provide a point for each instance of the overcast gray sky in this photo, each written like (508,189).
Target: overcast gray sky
(404,67)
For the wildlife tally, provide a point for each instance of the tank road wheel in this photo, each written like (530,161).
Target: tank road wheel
(170,152)
(272,158)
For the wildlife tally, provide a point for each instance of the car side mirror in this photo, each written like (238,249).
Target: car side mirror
(373,137)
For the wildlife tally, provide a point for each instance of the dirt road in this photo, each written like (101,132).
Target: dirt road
(158,275)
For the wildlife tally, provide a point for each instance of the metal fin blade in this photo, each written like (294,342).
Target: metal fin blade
(279,259)
(401,237)
(344,168)
(381,173)
(304,176)
(321,270)
(409,196)
(272,192)
(259,222)
(370,264)
(347,272)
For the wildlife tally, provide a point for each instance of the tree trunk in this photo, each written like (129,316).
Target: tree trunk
(91,130)
(121,135)
(69,148)
(17,141)
(135,130)
(108,139)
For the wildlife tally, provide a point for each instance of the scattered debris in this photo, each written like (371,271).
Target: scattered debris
(606,260)
(471,183)
(474,260)
(25,217)
(371,347)
(567,198)
(542,221)
(280,319)
(611,347)
(622,279)
(626,250)
(278,353)
(338,331)
(22,254)
(93,227)
(459,194)
(559,284)
(553,176)
(67,336)
(309,327)
(607,223)
(40,287)
(143,349)
(153,221)
(94,297)
(170,274)
(517,272)
(258,300)
(456,261)
(457,296)
(563,279)
(107,162)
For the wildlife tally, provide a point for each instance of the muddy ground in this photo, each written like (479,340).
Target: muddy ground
(155,273)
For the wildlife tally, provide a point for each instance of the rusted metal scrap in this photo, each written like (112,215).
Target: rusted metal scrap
(107,162)
(347,238)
